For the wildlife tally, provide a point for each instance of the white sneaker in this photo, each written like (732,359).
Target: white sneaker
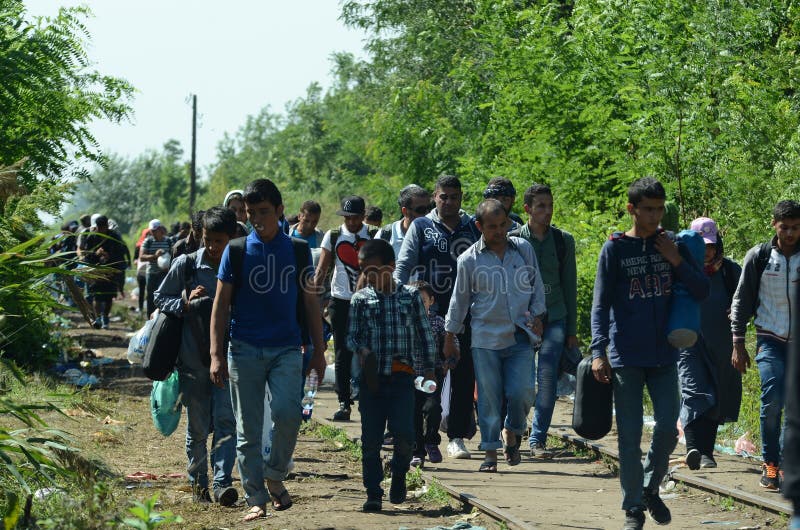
(456,449)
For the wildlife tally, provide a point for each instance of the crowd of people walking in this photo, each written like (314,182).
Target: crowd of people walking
(481,304)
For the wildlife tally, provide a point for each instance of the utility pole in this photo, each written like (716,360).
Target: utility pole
(193,166)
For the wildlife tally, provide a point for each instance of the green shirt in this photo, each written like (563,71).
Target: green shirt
(561,290)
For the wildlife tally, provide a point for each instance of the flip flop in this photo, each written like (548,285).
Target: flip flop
(281,501)
(255,512)
(488,467)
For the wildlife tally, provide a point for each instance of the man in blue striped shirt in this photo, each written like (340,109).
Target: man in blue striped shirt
(498,283)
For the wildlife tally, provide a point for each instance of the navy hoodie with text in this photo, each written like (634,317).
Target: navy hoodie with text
(632,294)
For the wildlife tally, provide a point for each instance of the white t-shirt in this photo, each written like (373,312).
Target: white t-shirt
(345,260)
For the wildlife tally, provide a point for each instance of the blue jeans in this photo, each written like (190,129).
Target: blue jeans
(771,362)
(547,379)
(393,404)
(503,374)
(207,405)
(662,385)
(251,368)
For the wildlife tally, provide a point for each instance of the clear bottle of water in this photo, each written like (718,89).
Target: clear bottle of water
(309,392)
(425,385)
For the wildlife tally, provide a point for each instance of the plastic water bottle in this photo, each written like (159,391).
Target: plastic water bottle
(425,385)
(309,392)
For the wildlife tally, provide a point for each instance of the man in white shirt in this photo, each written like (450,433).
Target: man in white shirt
(340,248)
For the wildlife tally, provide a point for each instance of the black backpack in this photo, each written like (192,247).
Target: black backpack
(161,352)
(302,258)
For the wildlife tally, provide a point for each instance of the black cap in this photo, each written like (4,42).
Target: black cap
(353,205)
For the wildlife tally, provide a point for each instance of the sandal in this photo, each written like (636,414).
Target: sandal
(488,466)
(512,452)
(255,512)
(281,501)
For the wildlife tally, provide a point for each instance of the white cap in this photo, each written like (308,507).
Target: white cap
(94,220)
(155,223)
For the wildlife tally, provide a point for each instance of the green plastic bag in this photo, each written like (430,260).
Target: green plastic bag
(165,406)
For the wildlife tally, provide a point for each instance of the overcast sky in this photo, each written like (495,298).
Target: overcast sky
(238,56)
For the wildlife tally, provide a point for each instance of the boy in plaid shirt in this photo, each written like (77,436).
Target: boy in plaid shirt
(390,332)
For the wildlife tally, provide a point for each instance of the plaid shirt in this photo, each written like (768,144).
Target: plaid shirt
(395,327)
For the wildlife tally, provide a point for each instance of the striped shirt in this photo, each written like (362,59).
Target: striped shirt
(151,246)
(395,327)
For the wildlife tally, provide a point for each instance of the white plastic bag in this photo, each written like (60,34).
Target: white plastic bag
(138,343)
(445,402)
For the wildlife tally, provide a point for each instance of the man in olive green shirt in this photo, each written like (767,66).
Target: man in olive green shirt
(555,252)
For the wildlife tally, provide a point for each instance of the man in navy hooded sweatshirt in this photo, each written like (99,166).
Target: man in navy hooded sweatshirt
(632,293)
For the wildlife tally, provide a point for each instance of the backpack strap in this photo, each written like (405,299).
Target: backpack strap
(236,249)
(302,260)
(371,232)
(386,232)
(762,258)
(561,249)
(335,232)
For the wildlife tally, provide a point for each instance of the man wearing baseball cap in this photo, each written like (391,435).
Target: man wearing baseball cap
(340,248)
(153,247)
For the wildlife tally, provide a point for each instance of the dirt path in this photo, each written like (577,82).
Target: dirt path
(570,491)
(325,485)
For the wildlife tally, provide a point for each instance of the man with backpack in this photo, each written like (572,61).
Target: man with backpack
(769,272)
(260,287)
(188,290)
(555,254)
(414,202)
(340,248)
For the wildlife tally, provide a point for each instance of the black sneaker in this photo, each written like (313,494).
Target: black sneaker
(656,508)
(693,459)
(373,504)
(397,492)
(634,519)
(201,495)
(707,462)
(343,414)
(226,496)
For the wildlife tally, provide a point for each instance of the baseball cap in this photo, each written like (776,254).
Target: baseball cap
(707,228)
(93,222)
(153,224)
(353,205)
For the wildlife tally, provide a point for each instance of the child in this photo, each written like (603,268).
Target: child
(207,406)
(394,341)
(428,407)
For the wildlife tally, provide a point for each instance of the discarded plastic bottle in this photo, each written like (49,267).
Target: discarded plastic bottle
(309,392)
(425,385)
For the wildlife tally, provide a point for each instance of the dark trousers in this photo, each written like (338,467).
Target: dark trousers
(701,435)
(427,417)
(461,421)
(791,440)
(153,281)
(141,280)
(339,313)
(392,404)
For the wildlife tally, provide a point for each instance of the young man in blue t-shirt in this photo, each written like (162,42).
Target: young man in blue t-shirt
(630,311)
(261,299)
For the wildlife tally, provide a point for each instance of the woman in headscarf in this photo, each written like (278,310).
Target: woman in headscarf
(711,389)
